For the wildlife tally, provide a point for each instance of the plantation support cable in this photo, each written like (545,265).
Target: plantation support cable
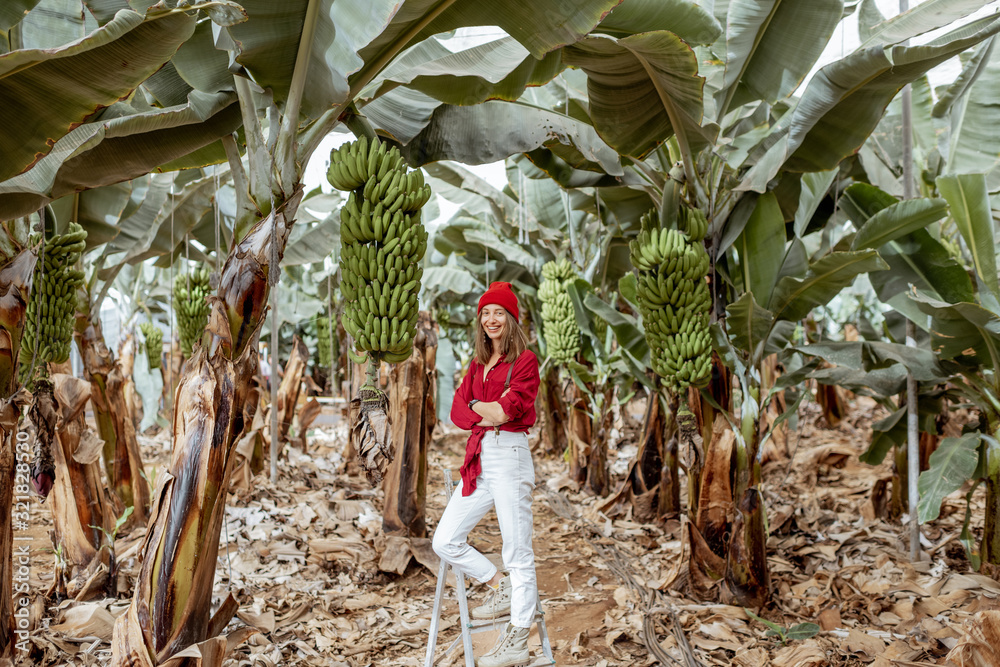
(272,278)
(912,388)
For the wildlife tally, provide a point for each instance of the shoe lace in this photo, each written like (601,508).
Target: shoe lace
(502,638)
(492,598)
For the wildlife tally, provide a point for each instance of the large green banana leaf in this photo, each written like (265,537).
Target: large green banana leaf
(761,248)
(540,26)
(688,20)
(57,89)
(771,46)
(353,42)
(793,298)
(973,64)
(951,465)
(13,11)
(123,148)
(970,208)
(923,17)
(844,102)
(268,43)
(898,220)
(875,355)
(963,329)
(974,141)
(98,210)
(495,130)
(749,325)
(53,23)
(642,89)
(498,70)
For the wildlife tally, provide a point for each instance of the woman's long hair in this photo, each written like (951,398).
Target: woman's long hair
(512,343)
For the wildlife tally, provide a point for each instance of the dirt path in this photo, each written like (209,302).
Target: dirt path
(303,560)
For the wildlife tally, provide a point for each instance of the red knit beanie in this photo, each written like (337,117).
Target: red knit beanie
(500,294)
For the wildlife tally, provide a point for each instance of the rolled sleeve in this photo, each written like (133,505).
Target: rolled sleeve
(462,415)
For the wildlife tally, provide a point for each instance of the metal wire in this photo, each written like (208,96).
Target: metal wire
(41,277)
(218,224)
(170,320)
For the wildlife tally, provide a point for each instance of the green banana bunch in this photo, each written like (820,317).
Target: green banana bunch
(52,304)
(562,335)
(382,244)
(323,347)
(191,305)
(693,222)
(674,298)
(154,343)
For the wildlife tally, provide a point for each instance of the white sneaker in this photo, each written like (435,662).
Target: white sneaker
(510,651)
(497,602)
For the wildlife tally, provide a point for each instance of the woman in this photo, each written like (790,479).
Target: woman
(496,401)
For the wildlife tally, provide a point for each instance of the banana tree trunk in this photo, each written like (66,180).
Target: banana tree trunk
(831,401)
(990,547)
(553,428)
(170,608)
(288,392)
(15,286)
(670,478)
(126,362)
(710,524)
(79,498)
(598,475)
(115,422)
(579,433)
(746,562)
(173,362)
(412,389)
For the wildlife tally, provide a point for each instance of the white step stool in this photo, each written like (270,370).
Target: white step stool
(469,626)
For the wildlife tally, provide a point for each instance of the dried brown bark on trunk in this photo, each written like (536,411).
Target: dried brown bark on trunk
(42,414)
(598,475)
(552,414)
(715,503)
(831,400)
(747,574)
(15,286)
(642,485)
(79,498)
(412,391)
(115,422)
(776,447)
(173,363)
(172,600)
(288,392)
(126,362)
(579,432)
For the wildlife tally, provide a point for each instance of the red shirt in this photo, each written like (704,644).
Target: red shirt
(518,404)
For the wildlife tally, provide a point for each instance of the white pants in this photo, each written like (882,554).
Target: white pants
(506,483)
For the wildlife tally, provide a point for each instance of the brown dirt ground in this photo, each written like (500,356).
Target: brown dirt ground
(303,560)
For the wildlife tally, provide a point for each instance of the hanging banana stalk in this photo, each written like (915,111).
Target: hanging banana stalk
(153,337)
(675,304)
(383,243)
(53,302)
(16,274)
(559,327)
(190,302)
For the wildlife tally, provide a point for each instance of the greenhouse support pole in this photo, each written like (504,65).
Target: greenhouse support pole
(912,404)
(274,361)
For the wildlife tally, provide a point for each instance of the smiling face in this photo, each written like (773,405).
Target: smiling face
(493,319)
